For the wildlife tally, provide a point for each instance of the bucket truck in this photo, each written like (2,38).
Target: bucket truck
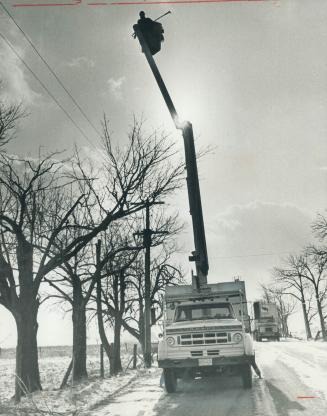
(206,326)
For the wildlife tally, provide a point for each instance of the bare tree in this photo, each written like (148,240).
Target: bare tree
(163,272)
(114,293)
(27,188)
(315,267)
(76,281)
(319,227)
(122,287)
(294,283)
(35,214)
(312,304)
(74,284)
(9,116)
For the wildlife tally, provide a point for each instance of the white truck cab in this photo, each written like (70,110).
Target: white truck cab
(206,332)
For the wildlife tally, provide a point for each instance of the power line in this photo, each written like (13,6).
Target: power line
(46,88)
(51,70)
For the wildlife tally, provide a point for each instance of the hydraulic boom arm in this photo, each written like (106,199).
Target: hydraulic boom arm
(199,255)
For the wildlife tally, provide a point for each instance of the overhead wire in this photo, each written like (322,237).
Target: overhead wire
(45,88)
(50,69)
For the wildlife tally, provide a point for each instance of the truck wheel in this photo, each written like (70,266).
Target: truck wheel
(246,376)
(170,380)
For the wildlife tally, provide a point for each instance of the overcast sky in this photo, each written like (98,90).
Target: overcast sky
(250,76)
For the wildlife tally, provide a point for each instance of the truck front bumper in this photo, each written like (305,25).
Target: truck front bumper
(269,334)
(196,362)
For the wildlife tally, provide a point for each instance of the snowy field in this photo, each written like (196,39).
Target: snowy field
(294,384)
(52,401)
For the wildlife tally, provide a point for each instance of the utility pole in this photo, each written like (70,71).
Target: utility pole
(147,240)
(147,243)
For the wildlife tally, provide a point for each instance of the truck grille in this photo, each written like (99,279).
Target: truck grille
(201,353)
(213,352)
(205,338)
(267,329)
(196,353)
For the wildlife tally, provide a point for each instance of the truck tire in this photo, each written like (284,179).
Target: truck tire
(246,374)
(170,380)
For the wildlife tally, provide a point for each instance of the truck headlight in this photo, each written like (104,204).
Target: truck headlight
(170,341)
(237,337)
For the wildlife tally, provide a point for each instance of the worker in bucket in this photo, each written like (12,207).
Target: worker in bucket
(152,32)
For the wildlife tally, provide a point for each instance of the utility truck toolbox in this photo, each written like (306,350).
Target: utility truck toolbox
(206,332)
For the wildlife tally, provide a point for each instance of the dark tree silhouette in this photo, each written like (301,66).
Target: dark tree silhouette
(293,282)
(315,268)
(36,209)
(9,116)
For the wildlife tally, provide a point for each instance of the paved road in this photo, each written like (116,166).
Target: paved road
(293,373)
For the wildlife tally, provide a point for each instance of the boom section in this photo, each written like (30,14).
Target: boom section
(199,255)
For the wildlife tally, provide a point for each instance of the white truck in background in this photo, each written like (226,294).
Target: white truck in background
(266,323)
(206,332)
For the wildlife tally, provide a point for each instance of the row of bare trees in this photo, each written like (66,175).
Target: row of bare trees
(67,230)
(302,279)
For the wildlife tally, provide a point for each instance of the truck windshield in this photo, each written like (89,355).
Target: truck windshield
(202,312)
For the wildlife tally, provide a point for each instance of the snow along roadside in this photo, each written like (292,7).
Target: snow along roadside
(73,400)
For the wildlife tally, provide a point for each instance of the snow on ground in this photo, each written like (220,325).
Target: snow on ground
(139,397)
(294,384)
(295,374)
(306,360)
(69,401)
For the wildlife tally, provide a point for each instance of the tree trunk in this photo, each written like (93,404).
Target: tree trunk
(117,367)
(306,320)
(283,328)
(286,330)
(27,366)
(321,315)
(102,333)
(25,313)
(305,312)
(66,376)
(119,288)
(79,333)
